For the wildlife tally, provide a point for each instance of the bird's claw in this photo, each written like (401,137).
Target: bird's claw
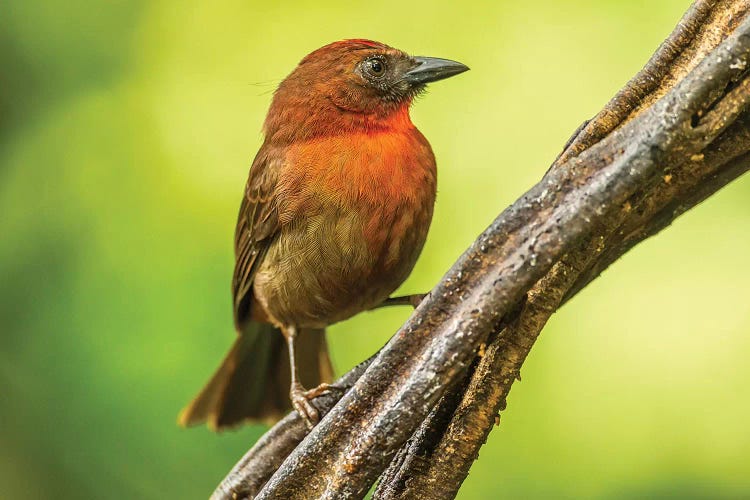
(318,391)
(301,403)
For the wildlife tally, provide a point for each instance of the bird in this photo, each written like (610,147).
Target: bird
(334,215)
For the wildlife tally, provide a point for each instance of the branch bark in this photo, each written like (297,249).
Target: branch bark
(675,134)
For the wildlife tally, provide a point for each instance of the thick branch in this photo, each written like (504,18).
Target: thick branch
(565,226)
(435,468)
(346,452)
(247,478)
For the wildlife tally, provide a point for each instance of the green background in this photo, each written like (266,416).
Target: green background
(126,132)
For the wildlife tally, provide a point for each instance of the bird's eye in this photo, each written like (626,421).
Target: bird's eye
(375,67)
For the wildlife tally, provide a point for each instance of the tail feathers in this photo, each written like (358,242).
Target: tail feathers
(252,383)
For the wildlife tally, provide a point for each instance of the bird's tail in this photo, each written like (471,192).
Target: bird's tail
(252,383)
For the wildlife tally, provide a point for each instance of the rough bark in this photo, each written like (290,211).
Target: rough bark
(419,412)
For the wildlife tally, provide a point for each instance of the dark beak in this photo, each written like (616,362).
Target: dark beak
(432,69)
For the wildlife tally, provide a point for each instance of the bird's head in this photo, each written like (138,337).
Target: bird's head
(352,84)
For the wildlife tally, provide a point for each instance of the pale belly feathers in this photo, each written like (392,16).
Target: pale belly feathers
(323,269)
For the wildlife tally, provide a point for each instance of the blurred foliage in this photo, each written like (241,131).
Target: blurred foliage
(126,131)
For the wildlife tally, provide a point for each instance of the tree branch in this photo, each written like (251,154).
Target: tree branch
(252,472)
(668,140)
(435,467)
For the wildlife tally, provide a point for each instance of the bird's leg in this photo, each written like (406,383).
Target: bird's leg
(403,300)
(299,396)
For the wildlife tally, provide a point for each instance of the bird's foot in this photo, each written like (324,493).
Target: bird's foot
(321,390)
(301,402)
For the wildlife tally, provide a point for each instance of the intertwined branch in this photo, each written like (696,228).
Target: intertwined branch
(417,413)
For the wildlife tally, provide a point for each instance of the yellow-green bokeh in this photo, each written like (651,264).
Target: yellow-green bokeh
(126,131)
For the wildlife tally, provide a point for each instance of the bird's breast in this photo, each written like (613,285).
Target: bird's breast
(354,213)
(385,181)
(357,171)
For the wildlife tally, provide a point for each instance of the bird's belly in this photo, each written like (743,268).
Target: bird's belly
(335,264)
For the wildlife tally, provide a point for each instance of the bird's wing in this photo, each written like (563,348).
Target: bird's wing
(257,226)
